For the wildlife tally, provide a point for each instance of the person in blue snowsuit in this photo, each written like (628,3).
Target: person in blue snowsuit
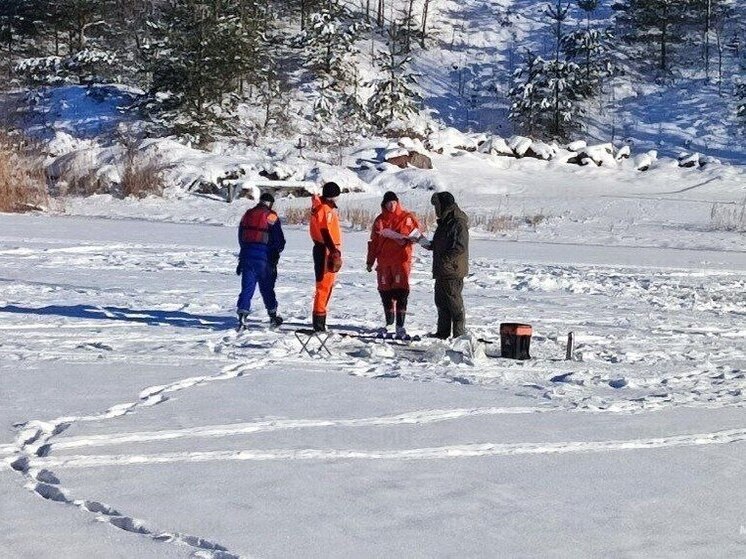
(262,240)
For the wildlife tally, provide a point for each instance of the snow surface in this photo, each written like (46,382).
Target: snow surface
(137,423)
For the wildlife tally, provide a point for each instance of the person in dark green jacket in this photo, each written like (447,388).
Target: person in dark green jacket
(450,246)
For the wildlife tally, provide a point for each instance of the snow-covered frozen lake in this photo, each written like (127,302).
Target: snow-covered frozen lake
(151,429)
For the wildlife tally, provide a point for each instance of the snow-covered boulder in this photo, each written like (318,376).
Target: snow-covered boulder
(245,187)
(400,180)
(577,146)
(347,180)
(496,146)
(403,157)
(541,150)
(449,139)
(398,156)
(93,170)
(623,153)
(646,160)
(691,160)
(63,143)
(278,171)
(519,145)
(412,144)
(601,154)
(420,160)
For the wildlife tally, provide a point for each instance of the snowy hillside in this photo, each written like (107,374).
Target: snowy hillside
(466,77)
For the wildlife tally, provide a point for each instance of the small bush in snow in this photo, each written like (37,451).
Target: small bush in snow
(295,216)
(22,179)
(73,183)
(498,223)
(353,217)
(729,217)
(141,178)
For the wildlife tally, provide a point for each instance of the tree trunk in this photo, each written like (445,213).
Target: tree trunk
(410,26)
(708,20)
(424,23)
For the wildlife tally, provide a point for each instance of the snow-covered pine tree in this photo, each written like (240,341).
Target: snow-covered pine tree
(564,83)
(409,28)
(196,60)
(265,74)
(547,97)
(654,25)
(325,102)
(710,20)
(79,20)
(18,26)
(588,6)
(592,50)
(394,94)
(329,43)
(329,39)
(740,94)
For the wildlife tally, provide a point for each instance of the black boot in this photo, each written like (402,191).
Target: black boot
(389,314)
(275,319)
(319,322)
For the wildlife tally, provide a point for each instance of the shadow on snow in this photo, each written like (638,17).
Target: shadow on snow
(150,317)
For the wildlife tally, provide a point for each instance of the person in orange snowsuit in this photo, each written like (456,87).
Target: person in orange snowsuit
(394,232)
(327,244)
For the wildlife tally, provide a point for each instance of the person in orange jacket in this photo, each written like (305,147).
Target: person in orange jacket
(394,232)
(327,244)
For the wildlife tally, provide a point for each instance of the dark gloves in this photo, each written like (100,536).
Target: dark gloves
(334,261)
(238,268)
(273,260)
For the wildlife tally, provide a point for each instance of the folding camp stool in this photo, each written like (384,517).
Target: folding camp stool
(305,336)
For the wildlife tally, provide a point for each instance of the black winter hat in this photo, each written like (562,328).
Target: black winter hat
(330,190)
(267,197)
(389,197)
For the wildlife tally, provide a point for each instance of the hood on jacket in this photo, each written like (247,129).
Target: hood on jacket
(442,202)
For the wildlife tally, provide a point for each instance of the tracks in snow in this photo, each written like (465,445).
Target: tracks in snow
(35,440)
(433,453)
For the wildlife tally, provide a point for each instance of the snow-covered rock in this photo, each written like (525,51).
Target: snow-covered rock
(646,160)
(63,143)
(398,156)
(601,154)
(347,180)
(519,145)
(412,144)
(578,145)
(449,139)
(541,150)
(623,153)
(496,145)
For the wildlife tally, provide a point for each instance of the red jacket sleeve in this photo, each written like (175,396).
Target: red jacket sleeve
(374,244)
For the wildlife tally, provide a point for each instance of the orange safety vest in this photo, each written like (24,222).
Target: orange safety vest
(324,216)
(256,223)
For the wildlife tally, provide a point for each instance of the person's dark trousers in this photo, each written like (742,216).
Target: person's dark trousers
(255,272)
(395,306)
(450,304)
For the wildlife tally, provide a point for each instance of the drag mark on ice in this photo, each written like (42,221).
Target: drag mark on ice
(214,431)
(434,453)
